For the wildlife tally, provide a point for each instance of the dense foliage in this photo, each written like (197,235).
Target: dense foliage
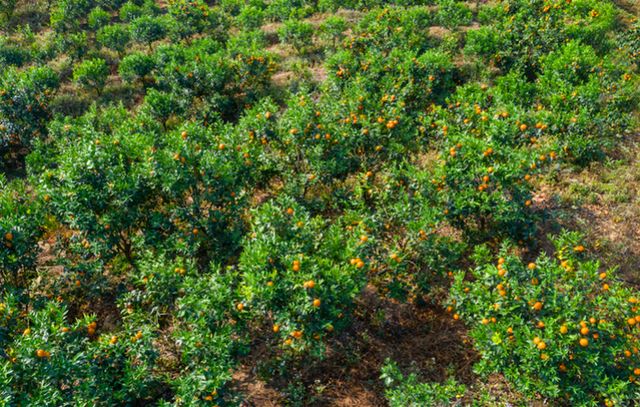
(186,185)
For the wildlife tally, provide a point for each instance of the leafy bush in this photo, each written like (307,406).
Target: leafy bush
(333,29)
(563,328)
(297,33)
(66,15)
(24,111)
(452,13)
(407,391)
(20,228)
(115,37)
(299,274)
(136,66)
(91,74)
(148,29)
(98,18)
(7,7)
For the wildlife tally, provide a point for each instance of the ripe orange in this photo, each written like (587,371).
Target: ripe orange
(584,342)
(584,330)
(316,302)
(542,345)
(296,334)
(290,211)
(531,266)
(240,306)
(309,284)
(456,317)
(296,265)
(276,328)
(564,329)
(631,321)
(485,321)
(41,353)
(8,236)
(537,306)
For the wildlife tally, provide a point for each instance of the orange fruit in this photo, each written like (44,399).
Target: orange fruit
(531,266)
(240,306)
(537,306)
(542,345)
(309,284)
(42,353)
(563,329)
(316,302)
(276,328)
(584,342)
(296,265)
(584,330)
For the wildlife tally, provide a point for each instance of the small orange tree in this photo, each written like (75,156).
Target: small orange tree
(562,328)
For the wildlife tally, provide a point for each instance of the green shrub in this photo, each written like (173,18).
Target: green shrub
(452,14)
(297,33)
(91,74)
(24,107)
(98,18)
(136,66)
(115,37)
(21,221)
(408,391)
(147,29)
(562,328)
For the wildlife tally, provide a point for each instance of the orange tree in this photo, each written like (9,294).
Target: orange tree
(21,220)
(563,328)
(24,108)
(192,311)
(183,192)
(47,359)
(490,153)
(299,274)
